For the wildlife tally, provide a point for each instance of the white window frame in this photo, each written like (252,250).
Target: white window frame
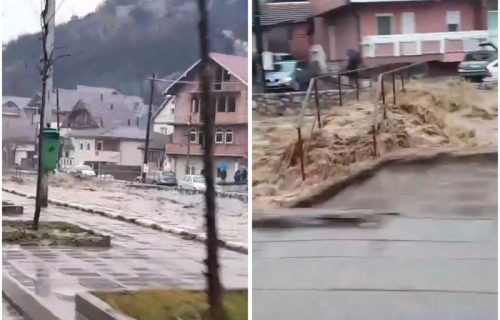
(221,132)
(191,131)
(454,17)
(229,131)
(380,15)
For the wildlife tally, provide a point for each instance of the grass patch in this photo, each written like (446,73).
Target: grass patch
(175,304)
(51,234)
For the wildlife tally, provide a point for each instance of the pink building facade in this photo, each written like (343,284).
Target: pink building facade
(400,31)
(230,94)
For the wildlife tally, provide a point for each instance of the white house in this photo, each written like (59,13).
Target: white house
(164,116)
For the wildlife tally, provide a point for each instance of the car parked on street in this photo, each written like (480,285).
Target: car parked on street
(160,178)
(474,67)
(195,182)
(80,171)
(288,75)
(492,72)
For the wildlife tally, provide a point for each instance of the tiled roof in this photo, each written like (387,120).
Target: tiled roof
(21,102)
(18,130)
(132,133)
(112,114)
(236,65)
(285,12)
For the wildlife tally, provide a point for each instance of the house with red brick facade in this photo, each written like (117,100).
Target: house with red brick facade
(229,98)
(398,31)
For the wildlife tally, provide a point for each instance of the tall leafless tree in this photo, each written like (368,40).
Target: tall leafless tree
(213,280)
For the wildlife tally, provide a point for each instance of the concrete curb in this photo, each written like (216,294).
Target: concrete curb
(331,189)
(185,234)
(30,307)
(234,195)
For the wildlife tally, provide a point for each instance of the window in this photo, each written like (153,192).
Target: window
(81,146)
(231,104)
(194,105)
(221,104)
(88,146)
(99,145)
(226,76)
(66,154)
(384,24)
(453,21)
(219,136)
(172,111)
(229,136)
(193,136)
(218,78)
(201,138)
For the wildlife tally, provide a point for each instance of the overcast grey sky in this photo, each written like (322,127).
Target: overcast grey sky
(23,16)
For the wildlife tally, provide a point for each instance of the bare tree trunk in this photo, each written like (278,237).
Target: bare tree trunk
(213,281)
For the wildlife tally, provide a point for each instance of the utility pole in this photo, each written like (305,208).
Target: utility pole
(212,274)
(58,127)
(148,127)
(258,37)
(47,17)
(189,147)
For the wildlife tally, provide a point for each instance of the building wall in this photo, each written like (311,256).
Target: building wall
(130,154)
(429,16)
(236,120)
(301,41)
(85,154)
(197,162)
(165,116)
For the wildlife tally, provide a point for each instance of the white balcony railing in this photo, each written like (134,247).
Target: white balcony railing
(415,44)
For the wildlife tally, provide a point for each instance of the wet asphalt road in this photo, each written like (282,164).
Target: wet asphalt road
(437,260)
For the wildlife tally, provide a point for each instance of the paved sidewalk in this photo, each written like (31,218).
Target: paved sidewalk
(436,261)
(139,258)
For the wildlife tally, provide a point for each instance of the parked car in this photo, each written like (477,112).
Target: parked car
(288,75)
(81,171)
(195,182)
(492,72)
(474,67)
(160,177)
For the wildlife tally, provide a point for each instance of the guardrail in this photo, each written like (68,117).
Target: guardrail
(313,85)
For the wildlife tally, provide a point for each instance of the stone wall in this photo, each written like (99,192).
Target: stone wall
(290,103)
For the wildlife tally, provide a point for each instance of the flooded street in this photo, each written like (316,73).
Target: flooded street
(165,206)
(436,260)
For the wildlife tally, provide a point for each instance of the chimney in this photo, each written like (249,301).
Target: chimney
(102,97)
(128,122)
(111,107)
(137,121)
(101,122)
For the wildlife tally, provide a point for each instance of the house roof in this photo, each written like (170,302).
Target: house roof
(285,12)
(18,130)
(236,65)
(96,89)
(112,114)
(21,102)
(129,133)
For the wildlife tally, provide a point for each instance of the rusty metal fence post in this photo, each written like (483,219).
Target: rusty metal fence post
(316,97)
(357,86)
(301,155)
(339,78)
(402,81)
(393,88)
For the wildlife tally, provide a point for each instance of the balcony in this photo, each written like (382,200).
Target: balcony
(220,150)
(416,44)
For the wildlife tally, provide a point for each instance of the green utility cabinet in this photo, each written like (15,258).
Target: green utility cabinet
(50,149)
